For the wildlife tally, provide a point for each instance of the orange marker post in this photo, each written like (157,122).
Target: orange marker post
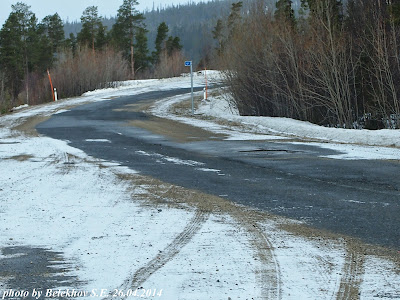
(205,74)
(51,85)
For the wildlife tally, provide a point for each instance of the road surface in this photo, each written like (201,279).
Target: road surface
(359,198)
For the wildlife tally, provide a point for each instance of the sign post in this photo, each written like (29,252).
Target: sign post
(190,64)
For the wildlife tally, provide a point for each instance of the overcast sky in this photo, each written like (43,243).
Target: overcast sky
(72,9)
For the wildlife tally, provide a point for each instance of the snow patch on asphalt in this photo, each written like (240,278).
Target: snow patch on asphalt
(98,140)
(61,111)
(356,152)
(174,160)
(208,170)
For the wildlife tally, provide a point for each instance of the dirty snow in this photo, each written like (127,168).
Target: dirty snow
(56,197)
(162,109)
(220,108)
(353,144)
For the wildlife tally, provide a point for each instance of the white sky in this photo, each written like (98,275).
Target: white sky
(72,9)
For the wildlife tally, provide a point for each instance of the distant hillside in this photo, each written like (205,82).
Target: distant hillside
(192,23)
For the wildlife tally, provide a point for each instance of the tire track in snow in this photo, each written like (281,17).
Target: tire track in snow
(353,269)
(171,251)
(268,272)
(142,274)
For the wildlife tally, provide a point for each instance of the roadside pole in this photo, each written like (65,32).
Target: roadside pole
(190,64)
(51,85)
(205,75)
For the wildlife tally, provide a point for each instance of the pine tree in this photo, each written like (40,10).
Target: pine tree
(91,24)
(394,9)
(173,44)
(70,43)
(142,51)
(162,33)
(53,28)
(18,50)
(40,55)
(285,13)
(224,30)
(12,53)
(170,45)
(26,47)
(234,17)
(218,35)
(327,9)
(102,38)
(129,22)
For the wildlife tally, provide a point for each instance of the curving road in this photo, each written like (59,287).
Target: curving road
(360,198)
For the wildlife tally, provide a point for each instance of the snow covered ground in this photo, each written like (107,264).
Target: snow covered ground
(112,238)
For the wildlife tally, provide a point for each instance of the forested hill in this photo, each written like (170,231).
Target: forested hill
(192,23)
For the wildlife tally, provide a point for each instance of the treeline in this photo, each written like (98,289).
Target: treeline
(32,53)
(192,22)
(333,63)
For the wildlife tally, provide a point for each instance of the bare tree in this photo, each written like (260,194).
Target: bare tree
(381,42)
(170,64)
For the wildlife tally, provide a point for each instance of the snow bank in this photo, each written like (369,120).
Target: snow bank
(220,108)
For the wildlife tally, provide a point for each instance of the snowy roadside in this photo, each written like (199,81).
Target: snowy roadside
(117,230)
(353,144)
(126,88)
(220,108)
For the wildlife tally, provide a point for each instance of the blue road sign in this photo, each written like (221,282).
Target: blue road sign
(188,63)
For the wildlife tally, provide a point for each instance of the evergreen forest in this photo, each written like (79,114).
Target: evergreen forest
(330,62)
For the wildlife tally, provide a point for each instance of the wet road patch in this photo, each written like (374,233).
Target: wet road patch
(25,269)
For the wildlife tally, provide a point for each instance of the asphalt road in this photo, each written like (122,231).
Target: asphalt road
(360,198)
